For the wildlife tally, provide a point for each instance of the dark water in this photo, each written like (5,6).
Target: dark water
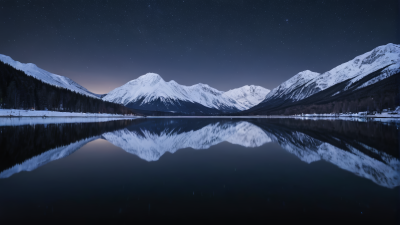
(222,168)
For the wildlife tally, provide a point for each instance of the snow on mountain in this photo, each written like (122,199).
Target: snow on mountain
(151,87)
(47,77)
(248,96)
(150,146)
(286,88)
(360,66)
(387,72)
(308,83)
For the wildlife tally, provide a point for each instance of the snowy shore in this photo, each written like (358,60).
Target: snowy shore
(19,121)
(42,113)
(12,113)
(355,115)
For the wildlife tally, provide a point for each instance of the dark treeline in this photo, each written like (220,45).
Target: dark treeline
(20,91)
(19,143)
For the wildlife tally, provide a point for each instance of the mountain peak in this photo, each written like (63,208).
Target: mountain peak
(307,72)
(15,64)
(201,85)
(390,47)
(150,77)
(5,58)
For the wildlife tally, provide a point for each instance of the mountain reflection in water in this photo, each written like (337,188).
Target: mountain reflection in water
(368,149)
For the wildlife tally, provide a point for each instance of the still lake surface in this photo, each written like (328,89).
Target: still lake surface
(72,168)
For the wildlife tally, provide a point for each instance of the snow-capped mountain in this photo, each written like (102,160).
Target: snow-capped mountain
(151,92)
(360,72)
(248,95)
(292,88)
(307,83)
(47,77)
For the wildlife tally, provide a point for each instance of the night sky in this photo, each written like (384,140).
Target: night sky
(223,43)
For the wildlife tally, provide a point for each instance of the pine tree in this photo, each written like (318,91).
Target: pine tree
(1,98)
(42,95)
(12,95)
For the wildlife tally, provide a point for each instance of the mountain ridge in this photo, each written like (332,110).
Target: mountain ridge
(151,89)
(50,78)
(354,77)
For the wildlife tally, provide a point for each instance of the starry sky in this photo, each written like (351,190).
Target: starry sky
(223,43)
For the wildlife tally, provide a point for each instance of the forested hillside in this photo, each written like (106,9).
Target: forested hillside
(20,91)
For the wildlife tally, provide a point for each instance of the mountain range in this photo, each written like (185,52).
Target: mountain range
(368,82)
(150,92)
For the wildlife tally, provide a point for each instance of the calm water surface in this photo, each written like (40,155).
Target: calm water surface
(250,168)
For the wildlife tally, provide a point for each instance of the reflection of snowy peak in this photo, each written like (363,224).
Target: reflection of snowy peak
(309,149)
(151,147)
(307,83)
(47,77)
(151,88)
(150,139)
(46,157)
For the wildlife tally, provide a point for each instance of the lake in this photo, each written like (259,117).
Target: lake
(225,168)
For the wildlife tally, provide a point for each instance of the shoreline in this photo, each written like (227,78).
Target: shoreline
(131,117)
(276,117)
(226,117)
(18,113)
(10,113)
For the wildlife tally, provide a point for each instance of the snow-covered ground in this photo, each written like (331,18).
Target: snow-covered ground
(27,117)
(385,114)
(393,114)
(382,115)
(19,121)
(40,113)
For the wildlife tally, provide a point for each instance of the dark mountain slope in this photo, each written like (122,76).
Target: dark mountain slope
(173,106)
(20,91)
